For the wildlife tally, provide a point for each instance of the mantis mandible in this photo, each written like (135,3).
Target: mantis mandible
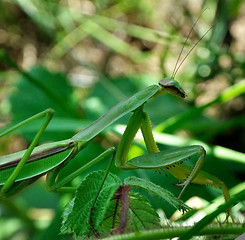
(22,168)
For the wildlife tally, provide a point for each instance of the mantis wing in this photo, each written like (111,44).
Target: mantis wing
(43,159)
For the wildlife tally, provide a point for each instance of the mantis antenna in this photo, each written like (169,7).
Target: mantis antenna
(177,68)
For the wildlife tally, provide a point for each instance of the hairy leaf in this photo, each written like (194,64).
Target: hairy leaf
(140,215)
(77,214)
(116,211)
(149,186)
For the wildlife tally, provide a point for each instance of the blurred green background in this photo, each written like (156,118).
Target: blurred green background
(85,56)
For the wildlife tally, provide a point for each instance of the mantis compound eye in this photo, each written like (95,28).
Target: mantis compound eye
(172,87)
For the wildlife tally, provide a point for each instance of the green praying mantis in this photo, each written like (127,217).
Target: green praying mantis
(22,168)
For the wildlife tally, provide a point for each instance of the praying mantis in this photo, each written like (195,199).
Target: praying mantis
(17,170)
(22,168)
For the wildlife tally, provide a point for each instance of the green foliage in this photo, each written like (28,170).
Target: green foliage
(109,50)
(208,219)
(115,210)
(33,99)
(139,215)
(149,186)
(30,96)
(77,214)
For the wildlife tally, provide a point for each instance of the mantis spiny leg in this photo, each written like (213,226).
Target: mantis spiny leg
(168,159)
(152,148)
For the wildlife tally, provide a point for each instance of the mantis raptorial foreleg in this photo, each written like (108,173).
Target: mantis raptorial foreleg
(169,159)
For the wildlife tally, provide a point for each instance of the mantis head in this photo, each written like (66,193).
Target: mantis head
(172,86)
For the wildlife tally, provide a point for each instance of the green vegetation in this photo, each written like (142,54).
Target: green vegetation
(81,58)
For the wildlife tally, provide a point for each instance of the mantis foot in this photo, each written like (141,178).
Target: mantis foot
(182,208)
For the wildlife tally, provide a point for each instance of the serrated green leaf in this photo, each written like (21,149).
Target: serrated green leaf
(65,215)
(76,218)
(142,215)
(112,217)
(158,190)
(109,188)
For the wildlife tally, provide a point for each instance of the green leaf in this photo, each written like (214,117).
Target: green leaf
(110,186)
(30,98)
(76,215)
(140,213)
(149,186)
(68,210)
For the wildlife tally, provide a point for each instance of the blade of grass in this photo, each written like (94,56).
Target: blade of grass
(221,127)
(176,141)
(177,121)
(208,219)
(94,29)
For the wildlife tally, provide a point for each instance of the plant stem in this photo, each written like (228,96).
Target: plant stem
(208,219)
(170,232)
